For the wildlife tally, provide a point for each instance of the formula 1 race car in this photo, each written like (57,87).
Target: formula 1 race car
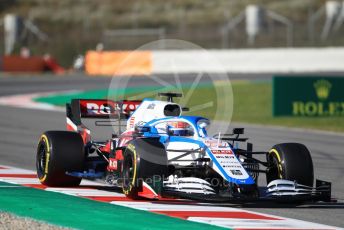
(150,150)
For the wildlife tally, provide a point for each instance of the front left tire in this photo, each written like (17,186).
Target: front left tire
(290,161)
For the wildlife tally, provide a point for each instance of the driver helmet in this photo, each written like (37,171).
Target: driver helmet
(180,128)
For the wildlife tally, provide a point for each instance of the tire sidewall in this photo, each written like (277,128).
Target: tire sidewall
(294,162)
(64,153)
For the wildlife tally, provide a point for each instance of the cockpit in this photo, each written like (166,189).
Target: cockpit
(182,128)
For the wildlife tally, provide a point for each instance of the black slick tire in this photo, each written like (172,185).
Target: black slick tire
(59,152)
(145,160)
(290,161)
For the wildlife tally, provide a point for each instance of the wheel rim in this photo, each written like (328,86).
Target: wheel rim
(42,159)
(128,171)
(273,169)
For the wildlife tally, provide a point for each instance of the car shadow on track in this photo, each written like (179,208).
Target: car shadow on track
(306,205)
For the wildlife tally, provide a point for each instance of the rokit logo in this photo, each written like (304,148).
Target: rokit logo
(96,109)
(107,107)
(130,106)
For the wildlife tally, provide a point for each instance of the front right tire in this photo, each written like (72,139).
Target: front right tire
(145,160)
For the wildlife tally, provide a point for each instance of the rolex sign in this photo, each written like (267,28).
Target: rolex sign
(308,96)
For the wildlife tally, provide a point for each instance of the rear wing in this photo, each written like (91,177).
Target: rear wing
(86,115)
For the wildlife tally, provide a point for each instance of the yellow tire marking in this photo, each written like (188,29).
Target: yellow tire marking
(274,151)
(132,149)
(134,177)
(45,138)
(43,178)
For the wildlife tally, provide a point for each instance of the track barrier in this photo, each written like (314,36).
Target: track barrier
(118,63)
(267,60)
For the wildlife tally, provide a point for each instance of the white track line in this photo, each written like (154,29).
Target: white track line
(149,206)
(19,180)
(260,224)
(85,192)
(15,171)
(27,101)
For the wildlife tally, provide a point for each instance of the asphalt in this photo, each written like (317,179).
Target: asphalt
(20,129)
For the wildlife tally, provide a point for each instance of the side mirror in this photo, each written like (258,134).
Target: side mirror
(238,131)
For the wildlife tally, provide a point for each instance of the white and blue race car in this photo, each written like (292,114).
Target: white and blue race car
(153,151)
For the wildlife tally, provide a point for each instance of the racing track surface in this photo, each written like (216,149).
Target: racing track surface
(20,130)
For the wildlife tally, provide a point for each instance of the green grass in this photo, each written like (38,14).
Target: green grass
(80,213)
(252,104)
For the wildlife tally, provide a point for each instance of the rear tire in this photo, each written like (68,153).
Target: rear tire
(145,160)
(290,161)
(59,152)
